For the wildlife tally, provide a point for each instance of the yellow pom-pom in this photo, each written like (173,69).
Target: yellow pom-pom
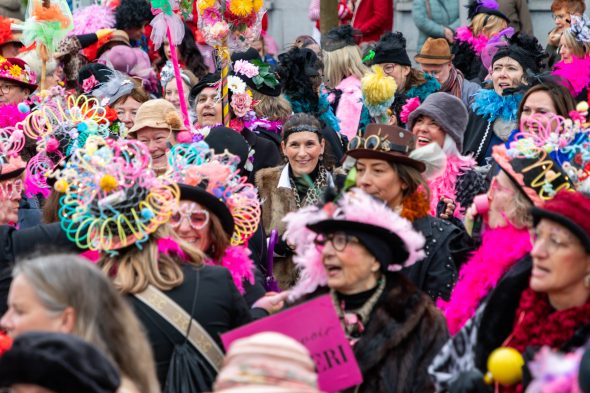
(377,87)
(582,106)
(61,186)
(108,183)
(241,8)
(202,5)
(505,366)
(258,5)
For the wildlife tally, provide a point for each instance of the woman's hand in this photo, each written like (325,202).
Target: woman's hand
(449,35)
(449,209)
(272,302)
(554,37)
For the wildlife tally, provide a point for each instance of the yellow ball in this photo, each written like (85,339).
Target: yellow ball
(505,365)
(108,183)
(61,186)
(582,106)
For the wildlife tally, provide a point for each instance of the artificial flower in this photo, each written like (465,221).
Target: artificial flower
(258,5)
(15,71)
(246,68)
(240,8)
(211,15)
(89,83)
(202,5)
(220,30)
(236,85)
(241,104)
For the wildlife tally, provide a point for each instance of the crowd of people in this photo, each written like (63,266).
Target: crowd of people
(152,199)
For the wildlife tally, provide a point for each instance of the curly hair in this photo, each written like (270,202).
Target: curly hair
(299,70)
(189,53)
(132,14)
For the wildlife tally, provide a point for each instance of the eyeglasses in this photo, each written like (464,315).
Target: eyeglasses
(10,189)
(389,68)
(496,186)
(197,218)
(339,240)
(5,88)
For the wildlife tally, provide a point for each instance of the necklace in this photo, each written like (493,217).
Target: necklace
(312,196)
(354,321)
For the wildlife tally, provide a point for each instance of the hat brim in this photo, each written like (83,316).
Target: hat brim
(539,213)
(211,203)
(436,60)
(491,11)
(396,245)
(387,156)
(30,86)
(12,174)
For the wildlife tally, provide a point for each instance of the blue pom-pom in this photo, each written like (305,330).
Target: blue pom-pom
(23,107)
(218,192)
(147,214)
(82,127)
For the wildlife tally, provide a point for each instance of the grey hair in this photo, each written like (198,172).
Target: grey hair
(450,149)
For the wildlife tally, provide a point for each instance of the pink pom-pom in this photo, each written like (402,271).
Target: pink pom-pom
(52,145)
(184,137)
(411,105)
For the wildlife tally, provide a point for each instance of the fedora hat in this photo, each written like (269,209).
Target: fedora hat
(384,142)
(434,51)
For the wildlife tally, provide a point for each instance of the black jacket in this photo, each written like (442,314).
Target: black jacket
(477,137)
(447,248)
(266,153)
(219,308)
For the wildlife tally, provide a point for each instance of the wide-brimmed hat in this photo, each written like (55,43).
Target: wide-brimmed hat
(570,209)
(118,37)
(385,142)
(157,114)
(434,51)
(58,362)
(17,71)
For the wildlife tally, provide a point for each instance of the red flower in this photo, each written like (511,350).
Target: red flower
(111,114)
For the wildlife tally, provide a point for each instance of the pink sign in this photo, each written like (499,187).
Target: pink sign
(314,324)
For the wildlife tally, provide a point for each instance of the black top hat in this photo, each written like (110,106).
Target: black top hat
(211,203)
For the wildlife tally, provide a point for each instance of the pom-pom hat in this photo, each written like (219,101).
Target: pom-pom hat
(383,232)
(570,209)
(384,142)
(157,113)
(391,48)
(17,71)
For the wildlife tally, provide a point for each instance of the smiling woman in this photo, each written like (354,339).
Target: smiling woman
(299,183)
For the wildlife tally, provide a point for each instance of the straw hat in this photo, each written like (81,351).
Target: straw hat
(157,114)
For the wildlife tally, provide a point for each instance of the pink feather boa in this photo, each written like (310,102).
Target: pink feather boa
(237,260)
(483,271)
(444,185)
(577,73)
(478,43)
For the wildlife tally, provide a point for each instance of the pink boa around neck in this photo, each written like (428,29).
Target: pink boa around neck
(577,73)
(500,249)
(350,105)
(237,260)
(478,43)
(444,185)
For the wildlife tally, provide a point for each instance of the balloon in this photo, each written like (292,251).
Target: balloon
(505,366)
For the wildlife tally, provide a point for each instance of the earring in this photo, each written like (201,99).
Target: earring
(587,281)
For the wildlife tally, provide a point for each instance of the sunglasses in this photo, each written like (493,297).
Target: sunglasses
(197,218)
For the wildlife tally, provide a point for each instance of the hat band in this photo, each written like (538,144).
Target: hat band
(441,57)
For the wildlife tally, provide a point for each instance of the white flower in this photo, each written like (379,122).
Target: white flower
(236,85)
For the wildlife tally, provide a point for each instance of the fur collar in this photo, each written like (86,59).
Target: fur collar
(394,318)
(481,273)
(488,104)
(445,185)
(425,89)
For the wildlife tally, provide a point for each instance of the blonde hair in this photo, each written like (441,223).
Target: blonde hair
(102,317)
(579,49)
(133,270)
(271,108)
(488,25)
(519,215)
(342,63)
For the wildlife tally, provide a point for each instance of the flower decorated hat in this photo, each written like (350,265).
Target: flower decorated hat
(388,236)
(17,71)
(60,126)
(113,199)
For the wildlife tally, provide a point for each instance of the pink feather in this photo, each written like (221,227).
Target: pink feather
(167,245)
(478,43)
(91,18)
(411,105)
(237,260)
(483,271)
(10,115)
(577,73)
(92,256)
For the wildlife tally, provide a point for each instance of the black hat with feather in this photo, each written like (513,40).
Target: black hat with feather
(488,7)
(391,48)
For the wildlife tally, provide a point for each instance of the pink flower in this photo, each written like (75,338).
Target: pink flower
(245,68)
(89,83)
(411,105)
(212,15)
(220,30)
(241,104)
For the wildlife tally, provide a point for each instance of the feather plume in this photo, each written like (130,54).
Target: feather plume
(161,23)
(47,25)
(167,245)
(117,86)
(5,29)
(237,260)
(91,18)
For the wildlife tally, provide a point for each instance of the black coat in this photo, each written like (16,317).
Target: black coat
(447,248)
(219,308)
(477,137)
(266,153)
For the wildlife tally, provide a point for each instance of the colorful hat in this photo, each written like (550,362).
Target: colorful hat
(12,141)
(384,142)
(61,126)
(113,198)
(17,71)
(258,75)
(213,180)
(356,212)
(489,7)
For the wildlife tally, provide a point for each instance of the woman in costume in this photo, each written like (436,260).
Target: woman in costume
(385,170)
(354,248)
(298,183)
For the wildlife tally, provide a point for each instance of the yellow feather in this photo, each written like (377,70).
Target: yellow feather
(377,87)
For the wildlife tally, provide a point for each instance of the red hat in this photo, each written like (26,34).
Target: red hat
(19,72)
(570,209)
